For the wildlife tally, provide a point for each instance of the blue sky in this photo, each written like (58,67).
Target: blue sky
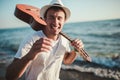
(82,10)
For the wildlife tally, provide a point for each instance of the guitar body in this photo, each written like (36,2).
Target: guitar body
(30,15)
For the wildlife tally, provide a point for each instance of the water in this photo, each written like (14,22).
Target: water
(101,40)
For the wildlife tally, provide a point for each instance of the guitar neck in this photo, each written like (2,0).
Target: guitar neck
(63,34)
(81,51)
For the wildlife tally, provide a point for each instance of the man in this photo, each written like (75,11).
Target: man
(40,55)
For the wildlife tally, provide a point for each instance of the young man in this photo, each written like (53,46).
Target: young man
(40,55)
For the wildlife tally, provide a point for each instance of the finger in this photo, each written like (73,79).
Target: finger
(42,47)
(47,47)
(43,43)
(47,41)
(78,43)
(44,50)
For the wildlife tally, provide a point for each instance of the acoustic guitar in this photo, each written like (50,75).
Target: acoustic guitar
(31,15)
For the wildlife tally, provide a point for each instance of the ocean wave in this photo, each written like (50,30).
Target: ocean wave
(96,69)
(9,44)
(106,35)
(11,38)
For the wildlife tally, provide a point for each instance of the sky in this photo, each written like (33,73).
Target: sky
(81,10)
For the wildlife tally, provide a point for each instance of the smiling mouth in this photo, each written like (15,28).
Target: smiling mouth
(55,27)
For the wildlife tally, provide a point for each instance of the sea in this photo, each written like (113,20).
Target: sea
(101,40)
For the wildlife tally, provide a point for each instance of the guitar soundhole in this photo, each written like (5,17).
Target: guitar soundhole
(32,9)
(41,18)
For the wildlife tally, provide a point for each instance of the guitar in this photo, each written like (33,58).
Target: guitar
(31,15)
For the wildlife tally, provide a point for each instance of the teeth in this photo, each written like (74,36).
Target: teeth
(53,27)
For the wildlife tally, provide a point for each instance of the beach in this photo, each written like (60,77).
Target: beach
(101,41)
(81,70)
(78,72)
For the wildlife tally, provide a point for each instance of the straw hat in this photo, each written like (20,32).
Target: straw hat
(55,3)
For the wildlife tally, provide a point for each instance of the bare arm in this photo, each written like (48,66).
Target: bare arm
(69,57)
(16,69)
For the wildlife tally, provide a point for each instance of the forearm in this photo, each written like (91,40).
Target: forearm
(69,57)
(17,68)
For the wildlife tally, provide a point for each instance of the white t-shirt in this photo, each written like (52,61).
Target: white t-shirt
(47,65)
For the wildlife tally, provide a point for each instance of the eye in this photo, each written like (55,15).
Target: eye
(50,17)
(60,18)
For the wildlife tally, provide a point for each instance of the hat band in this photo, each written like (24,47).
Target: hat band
(57,4)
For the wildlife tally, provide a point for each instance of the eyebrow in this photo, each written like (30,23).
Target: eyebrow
(56,9)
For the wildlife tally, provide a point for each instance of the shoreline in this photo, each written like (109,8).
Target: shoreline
(2,71)
(75,72)
(70,74)
(94,70)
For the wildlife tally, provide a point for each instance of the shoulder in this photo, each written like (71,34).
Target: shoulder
(64,41)
(36,35)
(32,37)
(27,43)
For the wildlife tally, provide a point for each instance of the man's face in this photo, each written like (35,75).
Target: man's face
(55,21)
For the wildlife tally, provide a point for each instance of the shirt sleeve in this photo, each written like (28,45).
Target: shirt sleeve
(27,44)
(24,47)
(68,49)
(66,44)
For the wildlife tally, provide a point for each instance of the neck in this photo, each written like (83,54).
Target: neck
(51,36)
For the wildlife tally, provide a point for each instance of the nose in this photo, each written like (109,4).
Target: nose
(55,22)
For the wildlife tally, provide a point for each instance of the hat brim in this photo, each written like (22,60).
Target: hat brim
(44,9)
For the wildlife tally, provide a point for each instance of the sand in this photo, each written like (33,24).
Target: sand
(65,74)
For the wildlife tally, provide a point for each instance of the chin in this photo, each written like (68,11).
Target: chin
(56,33)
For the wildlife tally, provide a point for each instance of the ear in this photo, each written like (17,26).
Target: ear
(43,19)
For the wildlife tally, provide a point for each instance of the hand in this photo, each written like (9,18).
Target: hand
(78,44)
(41,45)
